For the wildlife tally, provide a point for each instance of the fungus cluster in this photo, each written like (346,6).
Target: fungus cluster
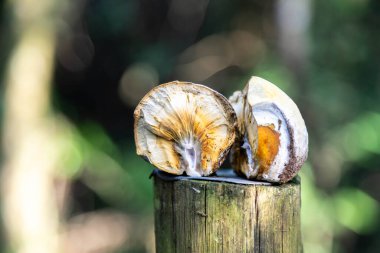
(181,127)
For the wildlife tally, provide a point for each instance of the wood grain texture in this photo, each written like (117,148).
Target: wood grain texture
(205,216)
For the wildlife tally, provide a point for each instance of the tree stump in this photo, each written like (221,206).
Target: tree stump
(225,214)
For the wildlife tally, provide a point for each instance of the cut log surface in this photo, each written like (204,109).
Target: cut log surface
(226,214)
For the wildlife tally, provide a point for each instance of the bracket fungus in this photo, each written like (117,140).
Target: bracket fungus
(184,127)
(272,145)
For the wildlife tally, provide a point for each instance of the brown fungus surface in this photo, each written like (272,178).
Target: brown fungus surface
(276,146)
(268,145)
(184,127)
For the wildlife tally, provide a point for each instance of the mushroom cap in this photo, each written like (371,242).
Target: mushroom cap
(272,107)
(184,127)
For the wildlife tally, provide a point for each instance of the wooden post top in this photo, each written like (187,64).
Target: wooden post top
(222,175)
(226,213)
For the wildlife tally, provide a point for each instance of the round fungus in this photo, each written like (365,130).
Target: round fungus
(182,127)
(273,143)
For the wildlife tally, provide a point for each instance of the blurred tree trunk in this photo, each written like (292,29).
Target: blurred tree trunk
(293,22)
(30,208)
(293,19)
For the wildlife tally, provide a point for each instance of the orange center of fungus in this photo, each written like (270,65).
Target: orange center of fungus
(268,145)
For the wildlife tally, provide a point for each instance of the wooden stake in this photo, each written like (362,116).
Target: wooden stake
(209,216)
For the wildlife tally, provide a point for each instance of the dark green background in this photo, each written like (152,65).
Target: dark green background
(324,54)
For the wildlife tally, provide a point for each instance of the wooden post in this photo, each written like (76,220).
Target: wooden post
(206,216)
